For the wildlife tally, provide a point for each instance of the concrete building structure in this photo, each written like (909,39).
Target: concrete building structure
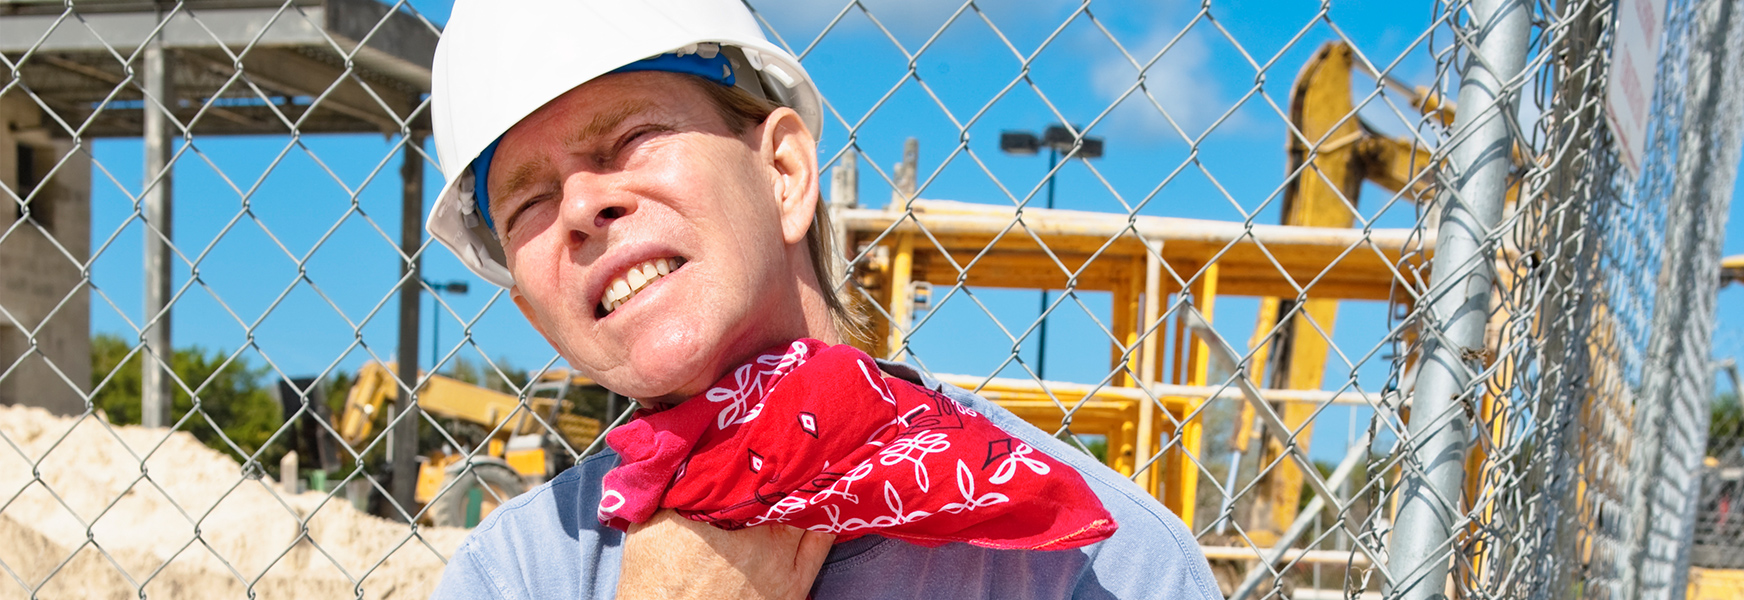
(45,242)
(168,71)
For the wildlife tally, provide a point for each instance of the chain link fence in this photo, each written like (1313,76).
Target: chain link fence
(1717,547)
(1365,294)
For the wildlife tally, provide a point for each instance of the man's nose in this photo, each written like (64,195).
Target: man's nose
(591,204)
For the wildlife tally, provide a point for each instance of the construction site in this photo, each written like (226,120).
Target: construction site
(1435,314)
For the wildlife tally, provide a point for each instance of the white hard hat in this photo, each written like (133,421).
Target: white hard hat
(501,60)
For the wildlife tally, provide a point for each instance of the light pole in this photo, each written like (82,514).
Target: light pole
(1059,141)
(457,288)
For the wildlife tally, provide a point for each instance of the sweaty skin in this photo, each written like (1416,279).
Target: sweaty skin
(634,167)
(637,166)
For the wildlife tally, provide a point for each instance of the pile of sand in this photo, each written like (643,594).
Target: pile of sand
(119,508)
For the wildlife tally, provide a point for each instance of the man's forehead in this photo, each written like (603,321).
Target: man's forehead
(610,115)
(615,97)
(599,107)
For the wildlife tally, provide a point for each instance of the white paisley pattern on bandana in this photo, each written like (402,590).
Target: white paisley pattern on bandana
(751,382)
(816,437)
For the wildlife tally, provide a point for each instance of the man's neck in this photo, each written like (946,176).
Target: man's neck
(819,323)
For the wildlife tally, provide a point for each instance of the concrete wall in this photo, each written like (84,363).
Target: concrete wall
(43,299)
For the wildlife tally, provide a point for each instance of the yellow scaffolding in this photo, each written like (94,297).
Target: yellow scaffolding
(1154,401)
(1142,261)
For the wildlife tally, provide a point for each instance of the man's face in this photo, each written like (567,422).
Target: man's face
(634,174)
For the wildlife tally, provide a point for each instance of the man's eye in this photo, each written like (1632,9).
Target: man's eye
(522,209)
(631,139)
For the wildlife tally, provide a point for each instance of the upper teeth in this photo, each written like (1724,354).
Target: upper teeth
(633,280)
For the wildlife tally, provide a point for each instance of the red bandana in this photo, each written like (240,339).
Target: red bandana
(816,437)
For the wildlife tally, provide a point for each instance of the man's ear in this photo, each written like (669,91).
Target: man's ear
(792,154)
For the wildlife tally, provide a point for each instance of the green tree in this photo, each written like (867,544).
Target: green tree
(1325,468)
(234,404)
(1726,427)
(1098,448)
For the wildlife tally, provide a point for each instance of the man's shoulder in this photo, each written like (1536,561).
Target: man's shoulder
(534,545)
(549,543)
(550,506)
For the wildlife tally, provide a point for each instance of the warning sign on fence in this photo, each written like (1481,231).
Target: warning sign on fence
(1634,62)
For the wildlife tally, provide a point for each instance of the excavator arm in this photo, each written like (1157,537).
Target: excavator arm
(1331,153)
(514,453)
(450,398)
(1731,270)
(374,386)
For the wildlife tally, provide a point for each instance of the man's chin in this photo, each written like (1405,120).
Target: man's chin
(661,388)
(666,373)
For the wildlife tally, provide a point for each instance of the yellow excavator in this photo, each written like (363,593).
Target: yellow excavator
(1331,154)
(523,444)
(1731,270)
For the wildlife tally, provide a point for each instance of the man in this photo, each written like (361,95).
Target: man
(643,177)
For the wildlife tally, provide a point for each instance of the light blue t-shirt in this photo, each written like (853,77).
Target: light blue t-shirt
(548,543)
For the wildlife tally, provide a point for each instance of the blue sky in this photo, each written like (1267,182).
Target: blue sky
(299,191)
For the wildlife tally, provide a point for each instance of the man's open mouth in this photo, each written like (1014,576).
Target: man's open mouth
(634,280)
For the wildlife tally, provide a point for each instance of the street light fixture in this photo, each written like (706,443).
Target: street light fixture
(1019,142)
(1059,141)
(452,288)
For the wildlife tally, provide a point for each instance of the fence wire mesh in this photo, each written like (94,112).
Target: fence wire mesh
(1717,546)
(1442,344)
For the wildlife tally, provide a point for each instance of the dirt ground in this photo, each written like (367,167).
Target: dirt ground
(120,508)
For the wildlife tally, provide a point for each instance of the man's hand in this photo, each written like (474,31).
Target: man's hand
(674,557)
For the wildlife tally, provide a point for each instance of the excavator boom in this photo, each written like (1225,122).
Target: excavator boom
(450,398)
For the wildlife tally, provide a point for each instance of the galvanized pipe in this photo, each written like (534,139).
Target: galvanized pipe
(155,376)
(1462,281)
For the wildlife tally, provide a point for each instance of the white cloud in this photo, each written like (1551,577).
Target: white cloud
(1180,82)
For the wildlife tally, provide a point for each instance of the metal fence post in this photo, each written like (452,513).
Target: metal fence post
(155,375)
(1462,281)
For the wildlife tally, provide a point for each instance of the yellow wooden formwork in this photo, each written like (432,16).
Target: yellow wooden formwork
(1142,261)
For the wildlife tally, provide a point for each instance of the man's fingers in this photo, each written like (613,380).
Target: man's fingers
(813,548)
